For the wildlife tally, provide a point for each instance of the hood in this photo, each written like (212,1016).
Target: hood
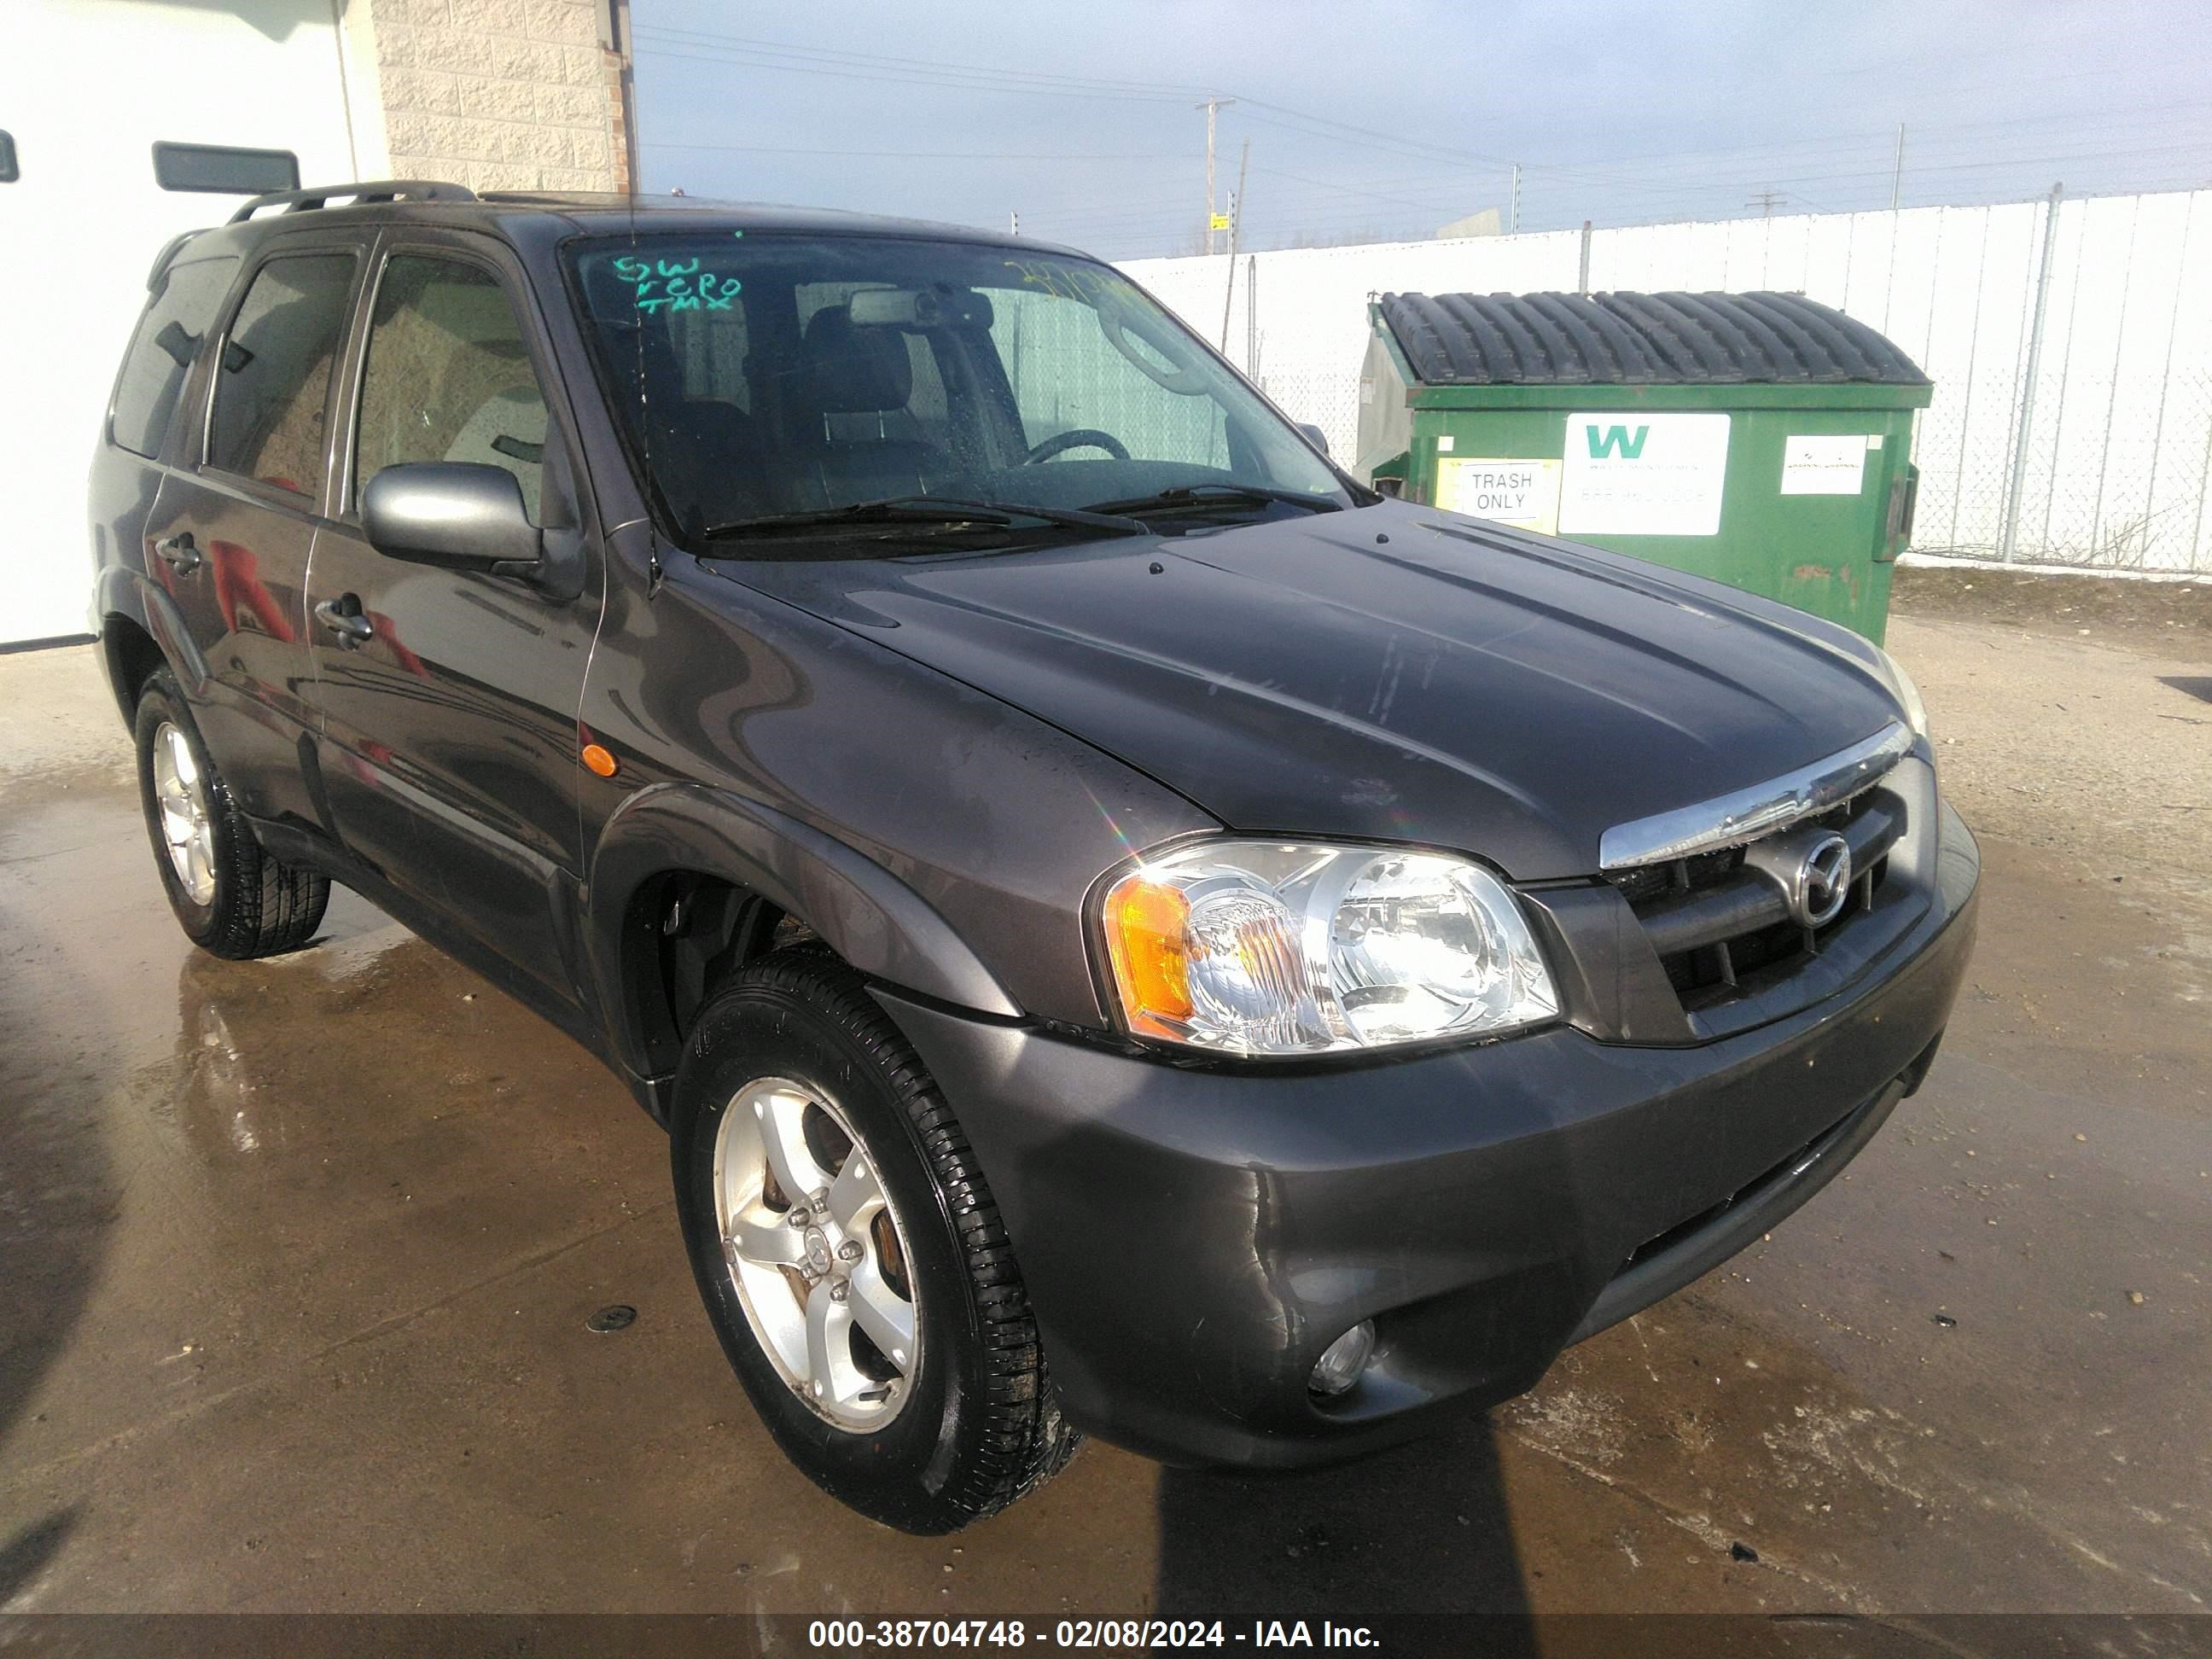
(1385,674)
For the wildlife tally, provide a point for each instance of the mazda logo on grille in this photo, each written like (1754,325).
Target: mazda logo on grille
(1823,883)
(1811,867)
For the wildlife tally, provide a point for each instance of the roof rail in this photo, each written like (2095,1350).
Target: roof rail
(378,189)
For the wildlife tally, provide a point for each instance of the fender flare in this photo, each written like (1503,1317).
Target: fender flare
(871,918)
(125,593)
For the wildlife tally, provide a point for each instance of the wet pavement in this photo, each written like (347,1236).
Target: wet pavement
(299,1256)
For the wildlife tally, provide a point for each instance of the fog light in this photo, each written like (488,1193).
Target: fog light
(1342,1361)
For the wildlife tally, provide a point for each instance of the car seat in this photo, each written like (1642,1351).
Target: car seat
(860,380)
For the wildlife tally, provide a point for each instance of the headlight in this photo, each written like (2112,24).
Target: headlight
(1263,948)
(1907,693)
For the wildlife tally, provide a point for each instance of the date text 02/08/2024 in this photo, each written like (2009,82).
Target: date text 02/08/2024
(1108,1634)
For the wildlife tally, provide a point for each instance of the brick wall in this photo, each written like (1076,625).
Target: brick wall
(497,94)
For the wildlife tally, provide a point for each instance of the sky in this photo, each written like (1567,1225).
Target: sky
(1389,119)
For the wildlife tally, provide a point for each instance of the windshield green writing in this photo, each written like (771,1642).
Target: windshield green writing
(677,284)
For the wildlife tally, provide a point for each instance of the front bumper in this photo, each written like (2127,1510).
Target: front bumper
(1192,1237)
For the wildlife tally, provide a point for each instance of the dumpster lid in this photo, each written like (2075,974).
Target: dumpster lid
(1637,339)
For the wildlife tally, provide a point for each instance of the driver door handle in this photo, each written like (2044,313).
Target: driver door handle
(343,618)
(178,553)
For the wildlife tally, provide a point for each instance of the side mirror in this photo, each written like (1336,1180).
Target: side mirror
(1314,437)
(458,515)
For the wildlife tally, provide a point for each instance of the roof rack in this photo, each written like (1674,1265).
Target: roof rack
(378,189)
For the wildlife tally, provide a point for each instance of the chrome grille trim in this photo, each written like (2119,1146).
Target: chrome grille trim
(1731,820)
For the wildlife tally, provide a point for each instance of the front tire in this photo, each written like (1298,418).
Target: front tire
(230,897)
(875,1315)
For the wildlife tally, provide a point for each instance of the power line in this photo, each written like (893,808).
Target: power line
(1675,190)
(707,46)
(842,63)
(1680,190)
(915,155)
(909,67)
(894,79)
(1348,189)
(1821,160)
(1140,241)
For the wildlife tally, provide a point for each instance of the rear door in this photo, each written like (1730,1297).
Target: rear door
(230,534)
(449,698)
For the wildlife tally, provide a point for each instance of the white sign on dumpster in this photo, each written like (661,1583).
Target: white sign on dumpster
(1818,464)
(1523,493)
(1628,474)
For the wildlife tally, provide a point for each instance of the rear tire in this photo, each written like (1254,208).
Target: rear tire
(230,897)
(969,1421)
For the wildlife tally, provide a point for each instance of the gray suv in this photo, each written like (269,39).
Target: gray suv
(1128,930)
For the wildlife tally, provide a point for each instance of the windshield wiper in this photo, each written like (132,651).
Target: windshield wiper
(1202,495)
(923,510)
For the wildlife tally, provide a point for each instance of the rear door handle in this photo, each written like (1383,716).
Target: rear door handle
(343,618)
(178,553)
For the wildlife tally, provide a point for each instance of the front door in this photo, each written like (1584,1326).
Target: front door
(449,698)
(229,537)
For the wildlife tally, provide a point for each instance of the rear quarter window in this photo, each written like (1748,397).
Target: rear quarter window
(273,382)
(168,341)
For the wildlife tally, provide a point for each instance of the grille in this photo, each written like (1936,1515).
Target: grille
(1722,930)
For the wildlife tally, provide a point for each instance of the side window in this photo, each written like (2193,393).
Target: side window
(448,377)
(273,385)
(167,344)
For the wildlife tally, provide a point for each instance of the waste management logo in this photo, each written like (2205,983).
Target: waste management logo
(1644,475)
(1616,440)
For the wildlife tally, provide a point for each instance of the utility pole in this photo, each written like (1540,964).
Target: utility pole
(1897,172)
(1764,201)
(1252,319)
(2009,525)
(1513,214)
(1236,224)
(1212,106)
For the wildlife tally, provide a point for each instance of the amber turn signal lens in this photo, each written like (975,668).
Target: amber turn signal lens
(1144,936)
(599,760)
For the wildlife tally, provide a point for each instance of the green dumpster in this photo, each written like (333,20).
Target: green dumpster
(1762,440)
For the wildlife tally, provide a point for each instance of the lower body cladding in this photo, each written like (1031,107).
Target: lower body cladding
(1194,1238)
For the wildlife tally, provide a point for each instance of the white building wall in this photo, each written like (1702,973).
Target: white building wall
(86,87)
(2119,455)
(493,94)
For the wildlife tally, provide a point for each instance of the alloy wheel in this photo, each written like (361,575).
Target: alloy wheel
(816,1252)
(186,829)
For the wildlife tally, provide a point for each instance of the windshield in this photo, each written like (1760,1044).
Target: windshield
(765,374)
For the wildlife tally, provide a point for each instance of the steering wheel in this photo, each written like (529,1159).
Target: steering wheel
(1081,437)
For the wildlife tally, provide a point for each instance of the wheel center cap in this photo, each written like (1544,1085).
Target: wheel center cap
(819,1254)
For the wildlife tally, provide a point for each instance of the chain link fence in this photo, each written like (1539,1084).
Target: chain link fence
(2068,341)
(2095,492)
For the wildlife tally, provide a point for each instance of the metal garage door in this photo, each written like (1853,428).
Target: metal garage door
(86,88)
